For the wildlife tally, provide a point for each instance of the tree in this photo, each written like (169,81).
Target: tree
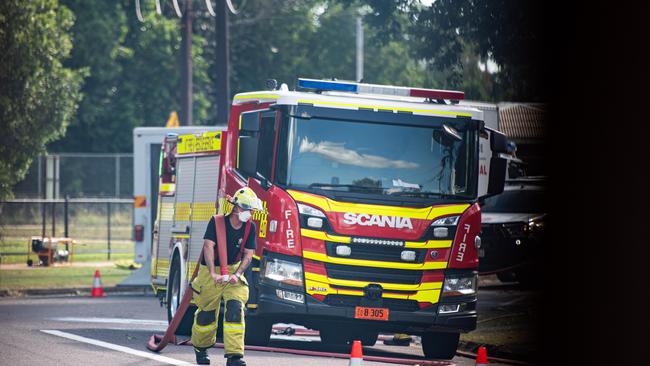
(133,74)
(39,95)
(506,31)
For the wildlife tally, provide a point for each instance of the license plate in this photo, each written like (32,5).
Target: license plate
(371,313)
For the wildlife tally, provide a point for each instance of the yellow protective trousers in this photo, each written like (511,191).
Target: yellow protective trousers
(208,301)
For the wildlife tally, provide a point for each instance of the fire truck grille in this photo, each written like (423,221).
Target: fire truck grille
(376,253)
(372,274)
(352,301)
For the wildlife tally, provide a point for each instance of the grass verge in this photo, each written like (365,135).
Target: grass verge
(58,277)
(509,333)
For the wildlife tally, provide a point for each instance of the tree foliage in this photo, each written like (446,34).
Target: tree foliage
(506,31)
(38,95)
(133,74)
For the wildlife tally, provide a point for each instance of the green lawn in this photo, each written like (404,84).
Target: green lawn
(57,277)
(85,250)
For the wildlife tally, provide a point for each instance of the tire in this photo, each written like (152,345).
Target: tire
(174,297)
(332,336)
(258,331)
(368,338)
(440,345)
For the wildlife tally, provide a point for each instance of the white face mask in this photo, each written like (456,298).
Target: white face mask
(244,216)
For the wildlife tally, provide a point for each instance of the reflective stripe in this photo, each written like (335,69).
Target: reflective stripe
(206,328)
(366,263)
(182,211)
(235,328)
(324,280)
(256,96)
(321,235)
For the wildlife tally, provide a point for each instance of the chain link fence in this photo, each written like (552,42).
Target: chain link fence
(78,175)
(86,197)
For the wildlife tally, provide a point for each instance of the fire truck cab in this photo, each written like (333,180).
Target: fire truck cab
(371,218)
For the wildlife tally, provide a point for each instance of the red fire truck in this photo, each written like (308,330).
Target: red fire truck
(371,219)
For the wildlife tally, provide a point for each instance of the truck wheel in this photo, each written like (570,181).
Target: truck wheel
(174,297)
(258,331)
(440,345)
(368,338)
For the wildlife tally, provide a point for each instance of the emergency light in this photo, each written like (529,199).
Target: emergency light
(361,88)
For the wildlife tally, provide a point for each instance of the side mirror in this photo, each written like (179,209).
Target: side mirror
(497,178)
(499,143)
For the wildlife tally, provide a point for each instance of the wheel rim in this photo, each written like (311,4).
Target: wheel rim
(175,295)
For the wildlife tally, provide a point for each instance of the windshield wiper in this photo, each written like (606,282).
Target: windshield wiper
(425,194)
(348,186)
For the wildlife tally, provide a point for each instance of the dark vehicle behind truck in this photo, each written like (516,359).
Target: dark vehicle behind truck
(513,225)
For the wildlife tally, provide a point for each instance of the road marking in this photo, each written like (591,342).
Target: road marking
(116,347)
(112,321)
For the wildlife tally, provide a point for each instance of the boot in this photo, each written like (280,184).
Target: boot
(201,356)
(235,361)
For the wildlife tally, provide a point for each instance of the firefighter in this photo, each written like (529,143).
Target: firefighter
(211,287)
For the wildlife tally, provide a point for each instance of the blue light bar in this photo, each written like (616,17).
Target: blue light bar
(327,85)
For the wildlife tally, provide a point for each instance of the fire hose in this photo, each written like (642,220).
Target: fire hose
(157,342)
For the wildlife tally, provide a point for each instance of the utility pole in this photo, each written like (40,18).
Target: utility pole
(186,69)
(223,63)
(359,49)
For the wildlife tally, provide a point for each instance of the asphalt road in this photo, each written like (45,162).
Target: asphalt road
(114,330)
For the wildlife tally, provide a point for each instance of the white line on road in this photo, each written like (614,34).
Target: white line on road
(116,347)
(112,321)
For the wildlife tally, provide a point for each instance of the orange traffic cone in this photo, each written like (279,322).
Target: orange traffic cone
(481,357)
(97,290)
(356,356)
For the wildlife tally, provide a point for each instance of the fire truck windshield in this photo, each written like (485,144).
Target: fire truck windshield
(395,159)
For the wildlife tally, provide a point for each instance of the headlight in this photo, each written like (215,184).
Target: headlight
(286,272)
(311,217)
(441,226)
(457,286)
(446,221)
(310,211)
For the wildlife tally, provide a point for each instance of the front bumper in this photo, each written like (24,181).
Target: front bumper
(314,313)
